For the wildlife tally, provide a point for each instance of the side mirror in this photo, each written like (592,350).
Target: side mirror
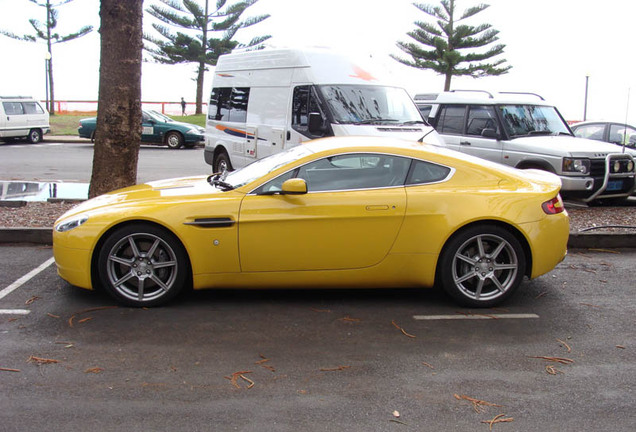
(489,133)
(315,124)
(294,186)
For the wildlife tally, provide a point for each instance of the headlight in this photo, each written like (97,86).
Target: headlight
(70,224)
(581,166)
(195,131)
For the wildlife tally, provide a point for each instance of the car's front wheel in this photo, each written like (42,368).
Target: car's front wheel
(174,140)
(35,136)
(142,265)
(482,265)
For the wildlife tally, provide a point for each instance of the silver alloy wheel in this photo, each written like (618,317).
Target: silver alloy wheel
(222,166)
(35,136)
(173,140)
(485,267)
(142,267)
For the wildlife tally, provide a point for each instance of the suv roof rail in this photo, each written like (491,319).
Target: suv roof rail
(490,96)
(426,96)
(524,93)
(16,97)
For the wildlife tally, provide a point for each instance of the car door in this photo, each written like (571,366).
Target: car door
(481,137)
(349,218)
(15,120)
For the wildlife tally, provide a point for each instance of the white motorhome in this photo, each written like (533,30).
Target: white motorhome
(23,117)
(263,102)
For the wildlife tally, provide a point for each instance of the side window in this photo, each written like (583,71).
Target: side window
(276,185)
(593,131)
(355,171)
(451,119)
(32,108)
(229,104)
(304,101)
(621,134)
(425,111)
(426,172)
(12,108)
(481,117)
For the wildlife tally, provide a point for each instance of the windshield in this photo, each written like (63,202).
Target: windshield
(523,120)
(261,167)
(359,104)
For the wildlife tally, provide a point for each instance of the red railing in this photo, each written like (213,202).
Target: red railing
(90,107)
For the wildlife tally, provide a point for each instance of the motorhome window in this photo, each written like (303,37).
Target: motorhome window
(359,104)
(304,101)
(12,108)
(451,119)
(229,104)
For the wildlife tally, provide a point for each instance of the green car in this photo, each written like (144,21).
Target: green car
(156,128)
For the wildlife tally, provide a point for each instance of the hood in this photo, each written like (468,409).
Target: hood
(167,191)
(558,145)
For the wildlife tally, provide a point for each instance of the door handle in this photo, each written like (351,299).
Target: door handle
(464,143)
(377,207)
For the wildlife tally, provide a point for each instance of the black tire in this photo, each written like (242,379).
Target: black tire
(35,136)
(174,140)
(482,266)
(222,163)
(142,265)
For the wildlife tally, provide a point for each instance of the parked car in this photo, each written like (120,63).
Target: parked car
(524,131)
(611,132)
(23,117)
(334,212)
(156,128)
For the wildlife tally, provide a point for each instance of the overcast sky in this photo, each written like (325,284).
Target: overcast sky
(551,44)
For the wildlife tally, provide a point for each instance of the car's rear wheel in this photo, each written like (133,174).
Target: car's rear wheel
(142,265)
(174,140)
(482,265)
(222,163)
(35,136)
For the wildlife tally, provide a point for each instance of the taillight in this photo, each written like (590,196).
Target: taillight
(554,206)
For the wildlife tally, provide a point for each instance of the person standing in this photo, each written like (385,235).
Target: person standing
(183,106)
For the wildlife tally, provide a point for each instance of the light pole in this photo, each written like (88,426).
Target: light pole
(587,79)
(47,59)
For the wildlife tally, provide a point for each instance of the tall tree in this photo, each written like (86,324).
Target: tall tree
(118,132)
(222,19)
(441,47)
(45,31)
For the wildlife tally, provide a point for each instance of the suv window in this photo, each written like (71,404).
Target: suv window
(32,108)
(592,131)
(451,119)
(12,108)
(522,120)
(481,117)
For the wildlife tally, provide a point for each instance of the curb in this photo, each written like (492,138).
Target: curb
(44,236)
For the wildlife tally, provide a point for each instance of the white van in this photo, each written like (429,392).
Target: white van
(265,101)
(23,117)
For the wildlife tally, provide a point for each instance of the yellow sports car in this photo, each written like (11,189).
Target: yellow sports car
(336,212)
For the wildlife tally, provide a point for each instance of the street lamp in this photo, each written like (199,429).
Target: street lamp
(587,79)
(47,59)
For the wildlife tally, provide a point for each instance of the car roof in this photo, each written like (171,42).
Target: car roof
(600,122)
(481,97)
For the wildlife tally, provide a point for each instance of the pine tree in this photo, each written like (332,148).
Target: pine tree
(44,31)
(223,19)
(444,44)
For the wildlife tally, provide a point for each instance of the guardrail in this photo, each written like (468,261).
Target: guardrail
(90,107)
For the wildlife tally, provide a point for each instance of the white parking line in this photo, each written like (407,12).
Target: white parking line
(474,316)
(27,277)
(14,312)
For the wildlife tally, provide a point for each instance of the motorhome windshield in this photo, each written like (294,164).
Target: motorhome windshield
(524,120)
(359,104)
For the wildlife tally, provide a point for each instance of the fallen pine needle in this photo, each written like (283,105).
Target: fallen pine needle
(31,300)
(620,347)
(402,330)
(605,250)
(321,310)
(339,368)
(500,418)
(349,319)
(53,316)
(476,402)
(561,360)
(260,362)
(552,370)
(236,375)
(590,305)
(541,295)
(40,360)
(9,369)
(94,370)
(251,383)
(398,421)
(70,320)
(428,365)
(269,368)
(84,320)
(565,345)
